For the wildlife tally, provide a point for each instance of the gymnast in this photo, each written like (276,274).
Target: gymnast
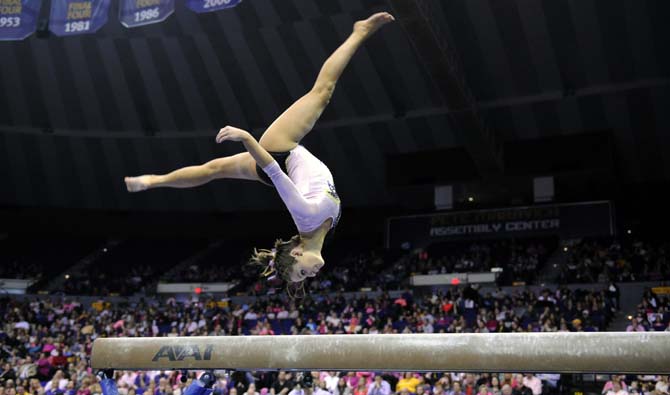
(303,182)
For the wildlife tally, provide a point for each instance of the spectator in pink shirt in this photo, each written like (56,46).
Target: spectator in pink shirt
(635,326)
(610,384)
(44,367)
(352,379)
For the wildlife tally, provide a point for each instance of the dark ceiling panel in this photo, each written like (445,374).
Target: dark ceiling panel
(44,182)
(618,116)
(12,85)
(130,115)
(641,37)
(23,179)
(83,85)
(5,107)
(30,84)
(105,181)
(161,98)
(169,84)
(564,39)
(612,22)
(661,101)
(68,89)
(136,87)
(538,68)
(91,192)
(540,47)
(659,14)
(569,116)
(510,30)
(649,153)
(546,118)
(8,196)
(592,113)
(194,84)
(589,50)
(473,56)
(101,84)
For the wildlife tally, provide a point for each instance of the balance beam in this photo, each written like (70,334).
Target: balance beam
(560,352)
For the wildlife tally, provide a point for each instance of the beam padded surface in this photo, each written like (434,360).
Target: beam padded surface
(616,352)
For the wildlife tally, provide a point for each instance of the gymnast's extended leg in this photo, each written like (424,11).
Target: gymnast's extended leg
(284,133)
(240,166)
(299,119)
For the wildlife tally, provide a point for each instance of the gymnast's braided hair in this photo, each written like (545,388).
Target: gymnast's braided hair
(278,263)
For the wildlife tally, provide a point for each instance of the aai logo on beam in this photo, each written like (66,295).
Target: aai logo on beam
(179,353)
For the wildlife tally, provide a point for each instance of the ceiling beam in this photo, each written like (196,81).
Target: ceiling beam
(430,39)
(512,101)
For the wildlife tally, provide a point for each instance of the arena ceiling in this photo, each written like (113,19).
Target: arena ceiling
(79,113)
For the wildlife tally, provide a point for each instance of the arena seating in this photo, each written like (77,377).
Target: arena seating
(134,264)
(50,338)
(621,259)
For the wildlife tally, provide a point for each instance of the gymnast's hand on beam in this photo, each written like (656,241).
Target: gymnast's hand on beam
(230,133)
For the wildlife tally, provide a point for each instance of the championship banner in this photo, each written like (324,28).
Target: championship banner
(201,6)
(70,17)
(134,13)
(564,220)
(18,18)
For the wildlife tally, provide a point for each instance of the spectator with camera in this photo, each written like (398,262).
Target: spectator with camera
(304,384)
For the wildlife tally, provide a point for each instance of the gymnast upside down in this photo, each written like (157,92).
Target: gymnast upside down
(303,182)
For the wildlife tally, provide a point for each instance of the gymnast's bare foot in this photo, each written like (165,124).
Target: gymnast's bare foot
(137,184)
(373,23)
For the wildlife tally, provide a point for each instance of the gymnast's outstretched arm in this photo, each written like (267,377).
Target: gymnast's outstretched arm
(260,155)
(297,205)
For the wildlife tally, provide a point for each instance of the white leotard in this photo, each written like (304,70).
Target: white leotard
(308,191)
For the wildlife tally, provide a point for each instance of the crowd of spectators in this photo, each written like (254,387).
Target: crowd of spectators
(45,343)
(134,266)
(653,314)
(620,260)
(519,259)
(127,267)
(636,384)
(348,268)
